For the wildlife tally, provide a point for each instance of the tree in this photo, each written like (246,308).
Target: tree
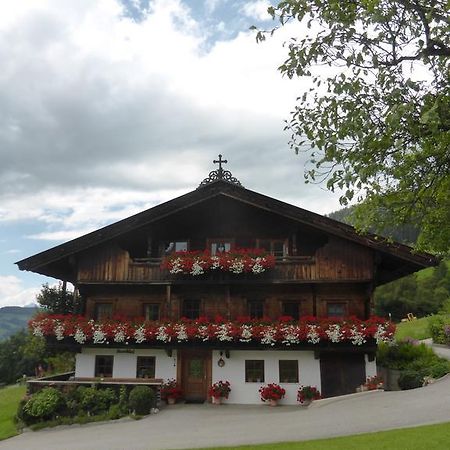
(377,121)
(57,300)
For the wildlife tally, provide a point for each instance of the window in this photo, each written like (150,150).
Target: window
(104,366)
(175,246)
(255,309)
(145,367)
(288,370)
(335,309)
(291,309)
(191,309)
(254,371)
(103,311)
(219,245)
(276,247)
(151,311)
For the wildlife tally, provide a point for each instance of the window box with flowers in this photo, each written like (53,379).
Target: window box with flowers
(272,393)
(171,392)
(218,391)
(306,394)
(237,261)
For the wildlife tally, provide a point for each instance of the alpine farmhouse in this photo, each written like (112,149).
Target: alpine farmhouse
(224,283)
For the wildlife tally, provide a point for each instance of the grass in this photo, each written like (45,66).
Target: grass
(429,437)
(416,329)
(10,397)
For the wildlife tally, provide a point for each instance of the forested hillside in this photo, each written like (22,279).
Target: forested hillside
(13,319)
(422,293)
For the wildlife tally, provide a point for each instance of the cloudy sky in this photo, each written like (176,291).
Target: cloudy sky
(109,107)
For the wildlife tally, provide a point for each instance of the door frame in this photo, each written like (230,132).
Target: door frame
(184,354)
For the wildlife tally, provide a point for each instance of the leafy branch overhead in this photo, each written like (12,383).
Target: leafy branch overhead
(376,121)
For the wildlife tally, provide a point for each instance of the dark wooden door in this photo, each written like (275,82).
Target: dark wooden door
(341,373)
(195,374)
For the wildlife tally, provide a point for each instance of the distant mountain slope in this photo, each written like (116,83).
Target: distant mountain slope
(13,319)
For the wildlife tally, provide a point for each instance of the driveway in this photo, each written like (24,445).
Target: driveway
(195,426)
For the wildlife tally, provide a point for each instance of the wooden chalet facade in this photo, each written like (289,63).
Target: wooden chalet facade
(322,268)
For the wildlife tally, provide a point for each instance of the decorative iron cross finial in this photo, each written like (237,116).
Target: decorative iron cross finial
(220,174)
(220,161)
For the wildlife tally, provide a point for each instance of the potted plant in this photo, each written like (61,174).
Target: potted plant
(306,394)
(271,393)
(220,389)
(372,383)
(171,392)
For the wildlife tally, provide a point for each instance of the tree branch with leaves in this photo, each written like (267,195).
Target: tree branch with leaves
(376,124)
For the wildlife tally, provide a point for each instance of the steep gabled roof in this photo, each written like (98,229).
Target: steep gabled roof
(237,192)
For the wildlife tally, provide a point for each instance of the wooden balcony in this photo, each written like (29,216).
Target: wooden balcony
(288,269)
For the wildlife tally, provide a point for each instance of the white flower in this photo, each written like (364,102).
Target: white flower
(268,336)
(202,333)
(237,266)
(313,335)
(257,265)
(162,334)
(37,331)
(79,336)
(357,338)
(197,269)
(290,335)
(59,332)
(381,336)
(181,333)
(176,265)
(215,262)
(98,337)
(222,333)
(139,335)
(334,333)
(119,336)
(246,333)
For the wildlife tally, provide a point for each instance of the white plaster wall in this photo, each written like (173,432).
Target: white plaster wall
(124,365)
(371,366)
(248,393)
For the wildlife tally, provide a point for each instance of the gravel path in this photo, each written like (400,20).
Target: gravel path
(195,426)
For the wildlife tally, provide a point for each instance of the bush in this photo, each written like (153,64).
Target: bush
(439,369)
(437,326)
(95,401)
(410,379)
(43,405)
(123,400)
(141,400)
(114,412)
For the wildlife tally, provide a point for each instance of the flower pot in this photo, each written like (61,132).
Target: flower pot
(216,400)
(273,402)
(305,403)
(171,400)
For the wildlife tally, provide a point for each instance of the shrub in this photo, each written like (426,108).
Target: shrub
(308,393)
(141,400)
(410,379)
(95,401)
(439,369)
(114,412)
(44,404)
(123,400)
(437,326)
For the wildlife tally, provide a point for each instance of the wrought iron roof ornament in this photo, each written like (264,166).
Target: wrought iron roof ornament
(220,174)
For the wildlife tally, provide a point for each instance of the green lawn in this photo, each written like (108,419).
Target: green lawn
(9,400)
(430,437)
(416,329)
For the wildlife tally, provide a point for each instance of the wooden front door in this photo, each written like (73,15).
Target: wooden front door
(195,374)
(341,373)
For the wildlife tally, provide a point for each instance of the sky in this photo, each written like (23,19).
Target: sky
(110,107)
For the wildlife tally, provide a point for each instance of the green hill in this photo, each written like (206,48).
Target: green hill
(13,319)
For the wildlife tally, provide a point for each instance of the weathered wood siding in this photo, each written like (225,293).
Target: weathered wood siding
(336,260)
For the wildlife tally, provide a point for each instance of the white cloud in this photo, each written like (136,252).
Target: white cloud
(257,10)
(13,293)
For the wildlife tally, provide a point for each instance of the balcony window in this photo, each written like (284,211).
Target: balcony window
(288,371)
(145,367)
(276,247)
(104,366)
(254,371)
(191,309)
(151,311)
(175,246)
(217,246)
(255,309)
(336,309)
(291,309)
(103,311)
